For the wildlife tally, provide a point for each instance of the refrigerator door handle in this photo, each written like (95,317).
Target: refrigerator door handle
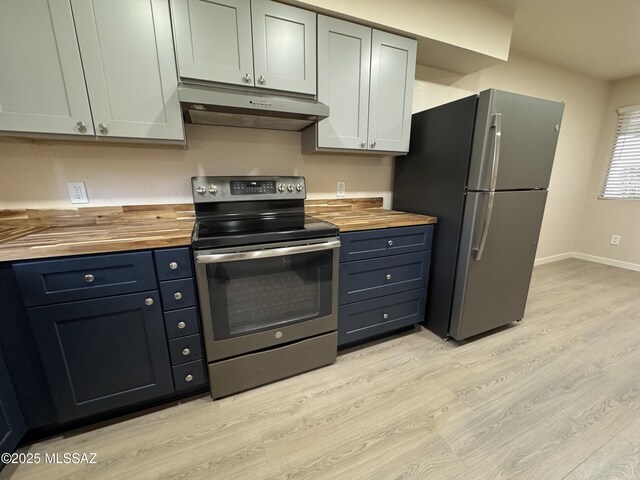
(485,228)
(496,124)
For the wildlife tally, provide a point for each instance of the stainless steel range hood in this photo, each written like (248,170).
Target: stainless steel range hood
(247,108)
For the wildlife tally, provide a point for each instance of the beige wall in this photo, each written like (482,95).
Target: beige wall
(602,218)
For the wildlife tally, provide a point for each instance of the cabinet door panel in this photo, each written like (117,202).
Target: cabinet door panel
(42,87)
(127,54)
(344,57)
(213,40)
(12,424)
(284,47)
(99,355)
(393,64)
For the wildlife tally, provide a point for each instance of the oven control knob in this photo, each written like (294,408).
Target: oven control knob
(201,189)
(299,187)
(290,187)
(281,187)
(213,189)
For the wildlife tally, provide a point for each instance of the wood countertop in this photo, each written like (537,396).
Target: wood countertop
(31,234)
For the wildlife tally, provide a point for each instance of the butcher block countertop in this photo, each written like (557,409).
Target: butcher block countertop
(32,233)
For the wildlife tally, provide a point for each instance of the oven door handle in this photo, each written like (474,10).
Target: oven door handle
(204,258)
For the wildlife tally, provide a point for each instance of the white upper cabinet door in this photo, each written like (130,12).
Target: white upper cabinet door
(128,58)
(284,47)
(393,65)
(42,87)
(213,40)
(344,57)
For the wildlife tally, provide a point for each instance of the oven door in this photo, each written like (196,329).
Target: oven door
(266,295)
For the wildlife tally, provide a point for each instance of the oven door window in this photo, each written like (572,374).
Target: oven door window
(251,296)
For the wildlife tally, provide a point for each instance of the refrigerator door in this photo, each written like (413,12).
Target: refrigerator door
(516,136)
(492,291)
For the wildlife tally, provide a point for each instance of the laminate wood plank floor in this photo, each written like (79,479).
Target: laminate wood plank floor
(556,396)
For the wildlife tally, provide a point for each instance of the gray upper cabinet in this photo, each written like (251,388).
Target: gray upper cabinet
(259,43)
(42,87)
(128,59)
(213,40)
(393,66)
(344,51)
(366,78)
(284,47)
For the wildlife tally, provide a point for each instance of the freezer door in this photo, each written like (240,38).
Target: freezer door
(518,134)
(492,291)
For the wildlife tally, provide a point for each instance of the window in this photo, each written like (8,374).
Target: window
(623,174)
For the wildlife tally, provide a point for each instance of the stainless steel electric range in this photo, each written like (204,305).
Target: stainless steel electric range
(267,280)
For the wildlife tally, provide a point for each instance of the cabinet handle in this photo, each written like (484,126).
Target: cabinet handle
(103,128)
(89,278)
(82,127)
(186,352)
(246,78)
(181,325)
(148,301)
(173,265)
(177,295)
(385,315)
(363,144)
(188,378)
(261,80)
(388,276)
(390,243)
(373,144)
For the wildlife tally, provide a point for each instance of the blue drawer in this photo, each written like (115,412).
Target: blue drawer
(362,320)
(384,242)
(70,279)
(183,322)
(189,375)
(185,349)
(173,263)
(178,294)
(373,278)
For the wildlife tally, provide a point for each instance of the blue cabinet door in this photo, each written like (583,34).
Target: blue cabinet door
(103,354)
(12,424)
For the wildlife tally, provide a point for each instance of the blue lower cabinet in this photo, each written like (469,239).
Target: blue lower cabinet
(103,354)
(12,424)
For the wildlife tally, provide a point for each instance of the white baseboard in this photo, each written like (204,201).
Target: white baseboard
(589,258)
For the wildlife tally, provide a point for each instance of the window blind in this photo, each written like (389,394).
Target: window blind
(623,174)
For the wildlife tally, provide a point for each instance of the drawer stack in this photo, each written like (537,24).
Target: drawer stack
(383,281)
(177,290)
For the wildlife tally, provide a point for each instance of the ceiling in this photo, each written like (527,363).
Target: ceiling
(600,38)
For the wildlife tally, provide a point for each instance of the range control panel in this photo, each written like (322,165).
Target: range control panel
(232,189)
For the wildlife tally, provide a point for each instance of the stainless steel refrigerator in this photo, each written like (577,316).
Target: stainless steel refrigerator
(481,165)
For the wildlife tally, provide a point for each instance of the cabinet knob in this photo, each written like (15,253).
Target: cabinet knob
(173,265)
(177,295)
(148,301)
(363,144)
(390,243)
(181,325)
(186,351)
(103,128)
(372,144)
(246,78)
(261,80)
(385,315)
(82,127)
(89,278)
(388,276)
(188,378)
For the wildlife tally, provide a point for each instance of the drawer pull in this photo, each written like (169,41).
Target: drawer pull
(173,265)
(181,325)
(148,301)
(388,276)
(186,351)
(188,378)
(385,315)
(89,278)
(390,243)
(177,296)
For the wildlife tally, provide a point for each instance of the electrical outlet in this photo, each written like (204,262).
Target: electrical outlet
(616,239)
(342,189)
(77,192)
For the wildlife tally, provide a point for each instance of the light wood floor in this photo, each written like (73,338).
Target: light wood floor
(557,396)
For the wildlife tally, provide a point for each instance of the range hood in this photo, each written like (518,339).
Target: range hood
(247,108)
